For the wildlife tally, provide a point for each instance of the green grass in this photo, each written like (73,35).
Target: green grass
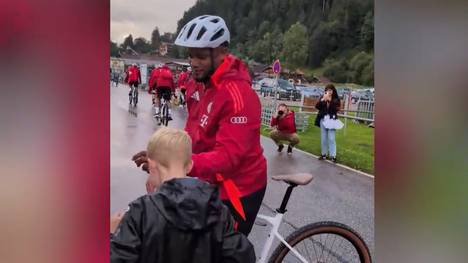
(354,144)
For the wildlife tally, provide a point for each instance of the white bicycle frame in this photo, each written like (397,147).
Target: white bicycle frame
(275,222)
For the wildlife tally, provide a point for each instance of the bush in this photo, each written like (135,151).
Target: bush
(367,76)
(336,70)
(360,61)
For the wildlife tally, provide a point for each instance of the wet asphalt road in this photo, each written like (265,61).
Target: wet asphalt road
(335,194)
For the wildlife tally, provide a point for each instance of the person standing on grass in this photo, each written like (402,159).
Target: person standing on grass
(328,107)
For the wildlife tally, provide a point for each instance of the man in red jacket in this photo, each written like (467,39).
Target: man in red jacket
(284,123)
(164,87)
(224,120)
(183,77)
(133,78)
(153,81)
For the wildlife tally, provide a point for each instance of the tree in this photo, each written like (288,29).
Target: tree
(128,42)
(335,28)
(367,76)
(155,39)
(141,45)
(367,31)
(268,48)
(357,65)
(336,70)
(114,49)
(264,28)
(295,46)
(167,37)
(323,42)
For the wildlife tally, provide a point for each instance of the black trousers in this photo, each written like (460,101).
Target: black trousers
(251,204)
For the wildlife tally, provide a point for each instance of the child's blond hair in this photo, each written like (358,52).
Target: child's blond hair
(167,145)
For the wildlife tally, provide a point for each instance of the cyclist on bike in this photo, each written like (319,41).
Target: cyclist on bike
(133,78)
(153,81)
(164,88)
(224,120)
(183,77)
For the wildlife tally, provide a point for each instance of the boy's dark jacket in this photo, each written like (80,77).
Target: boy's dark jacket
(184,222)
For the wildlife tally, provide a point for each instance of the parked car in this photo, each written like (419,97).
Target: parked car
(286,90)
(358,95)
(265,86)
(342,91)
(315,91)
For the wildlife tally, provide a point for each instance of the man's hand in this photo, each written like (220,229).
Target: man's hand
(115,221)
(141,159)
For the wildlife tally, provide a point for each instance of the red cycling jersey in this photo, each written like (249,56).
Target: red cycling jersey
(224,120)
(165,78)
(153,79)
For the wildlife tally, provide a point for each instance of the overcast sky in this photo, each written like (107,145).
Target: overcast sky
(140,17)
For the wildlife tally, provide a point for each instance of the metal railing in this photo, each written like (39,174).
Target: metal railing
(364,112)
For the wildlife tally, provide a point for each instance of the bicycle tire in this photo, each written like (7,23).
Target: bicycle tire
(135,100)
(165,114)
(319,228)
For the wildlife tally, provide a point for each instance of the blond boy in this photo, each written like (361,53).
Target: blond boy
(183,220)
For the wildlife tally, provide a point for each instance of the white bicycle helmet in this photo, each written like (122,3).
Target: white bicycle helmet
(203,32)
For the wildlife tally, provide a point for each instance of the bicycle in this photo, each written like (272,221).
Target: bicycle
(311,239)
(133,96)
(163,116)
(181,99)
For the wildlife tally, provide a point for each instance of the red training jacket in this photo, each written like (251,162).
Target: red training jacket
(165,78)
(224,120)
(133,75)
(153,79)
(182,79)
(287,124)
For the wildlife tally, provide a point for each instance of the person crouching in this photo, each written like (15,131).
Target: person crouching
(284,128)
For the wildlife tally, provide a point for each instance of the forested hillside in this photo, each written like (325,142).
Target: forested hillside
(335,36)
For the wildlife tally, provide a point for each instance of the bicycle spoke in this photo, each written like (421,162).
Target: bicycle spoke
(324,245)
(340,245)
(302,251)
(307,251)
(331,249)
(313,244)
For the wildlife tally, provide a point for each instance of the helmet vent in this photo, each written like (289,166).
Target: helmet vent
(200,34)
(190,30)
(182,32)
(216,20)
(217,35)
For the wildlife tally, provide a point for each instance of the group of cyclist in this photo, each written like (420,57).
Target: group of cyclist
(162,84)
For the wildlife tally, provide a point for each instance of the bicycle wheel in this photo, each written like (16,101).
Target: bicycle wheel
(323,242)
(165,114)
(135,99)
